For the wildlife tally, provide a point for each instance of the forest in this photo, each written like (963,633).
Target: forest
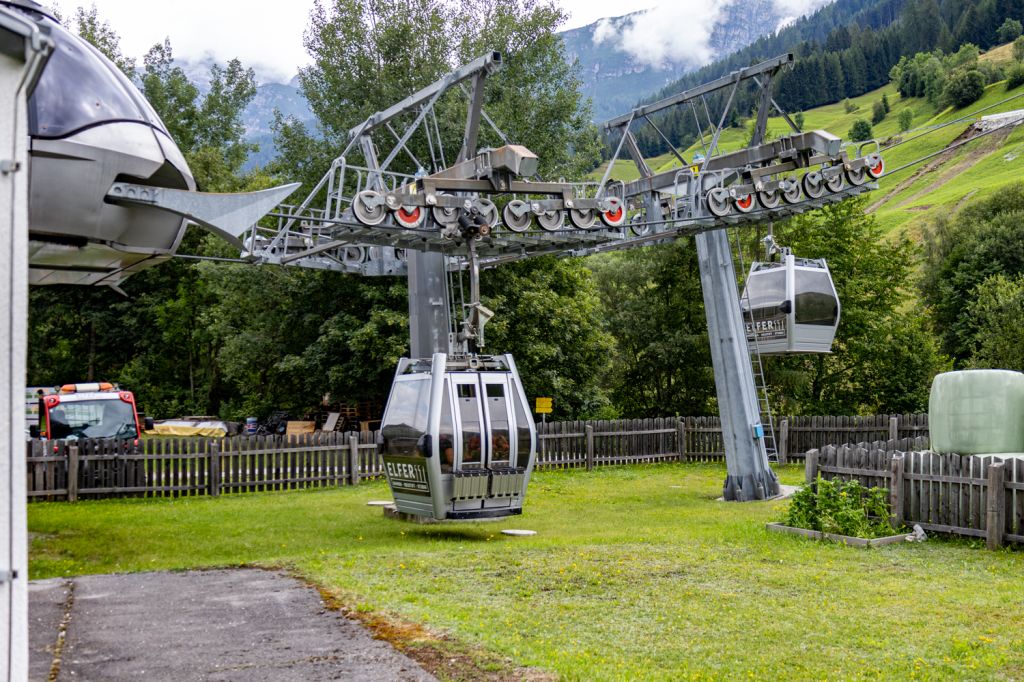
(616,335)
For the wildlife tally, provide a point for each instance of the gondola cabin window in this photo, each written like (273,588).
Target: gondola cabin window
(469,411)
(768,294)
(446,433)
(406,420)
(497,412)
(815,298)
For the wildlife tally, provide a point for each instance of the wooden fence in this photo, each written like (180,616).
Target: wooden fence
(947,493)
(199,466)
(162,467)
(624,441)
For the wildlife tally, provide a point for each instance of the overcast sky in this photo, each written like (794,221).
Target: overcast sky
(268,36)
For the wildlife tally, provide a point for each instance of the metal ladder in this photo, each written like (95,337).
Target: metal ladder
(763,405)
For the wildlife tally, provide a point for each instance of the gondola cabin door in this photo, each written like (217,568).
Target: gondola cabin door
(483,416)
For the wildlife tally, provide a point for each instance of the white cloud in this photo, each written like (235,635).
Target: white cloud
(791,10)
(666,34)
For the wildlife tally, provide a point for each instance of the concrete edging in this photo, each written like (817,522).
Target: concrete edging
(845,539)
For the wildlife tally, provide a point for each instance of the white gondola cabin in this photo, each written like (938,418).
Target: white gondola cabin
(790,306)
(457,438)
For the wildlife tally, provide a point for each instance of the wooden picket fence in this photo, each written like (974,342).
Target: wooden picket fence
(966,495)
(204,466)
(69,470)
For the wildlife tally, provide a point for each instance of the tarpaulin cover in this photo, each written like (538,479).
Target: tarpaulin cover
(977,411)
(182,427)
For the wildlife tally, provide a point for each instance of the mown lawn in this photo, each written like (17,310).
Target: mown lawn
(636,572)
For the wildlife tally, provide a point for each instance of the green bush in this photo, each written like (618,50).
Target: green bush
(842,508)
(906,119)
(849,107)
(1015,78)
(1018,49)
(878,113)
(860,131)
(963,88)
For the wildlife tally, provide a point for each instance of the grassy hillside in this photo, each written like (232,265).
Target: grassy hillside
(908,198)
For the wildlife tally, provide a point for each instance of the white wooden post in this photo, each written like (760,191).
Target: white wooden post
(23,53)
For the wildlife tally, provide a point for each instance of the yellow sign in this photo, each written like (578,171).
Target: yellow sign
(543,406)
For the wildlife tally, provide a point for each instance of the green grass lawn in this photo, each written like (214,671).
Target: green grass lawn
(636,572)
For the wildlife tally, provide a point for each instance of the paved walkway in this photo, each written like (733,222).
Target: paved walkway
(241,624)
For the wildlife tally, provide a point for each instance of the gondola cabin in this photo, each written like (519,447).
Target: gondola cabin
(457,438)
(790,306)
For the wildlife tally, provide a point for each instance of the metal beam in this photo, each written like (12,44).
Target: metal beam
(488,63)
(749,475)
(695,93)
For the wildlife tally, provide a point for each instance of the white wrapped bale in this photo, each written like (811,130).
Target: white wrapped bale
(977,411)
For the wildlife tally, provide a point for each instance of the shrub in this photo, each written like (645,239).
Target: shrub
(1018,49)
(906,119)
(798,119)
(1010,30)
(842,508)
(963,88)
(885,103)
(860,131)
(877,113)
(849,107)
(1015,78)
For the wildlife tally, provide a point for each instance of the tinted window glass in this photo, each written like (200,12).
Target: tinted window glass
(497,415)
(522,431)
(406,418)
(816,301)
(92,419)
(79,88)
(765,289)
(469,411)
(446,435)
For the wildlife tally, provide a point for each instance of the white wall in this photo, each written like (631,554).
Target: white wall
(13,335)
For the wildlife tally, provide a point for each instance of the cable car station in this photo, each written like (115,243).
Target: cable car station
(457,436)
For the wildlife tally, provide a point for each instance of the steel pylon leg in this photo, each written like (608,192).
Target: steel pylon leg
(428,304)
(749,476)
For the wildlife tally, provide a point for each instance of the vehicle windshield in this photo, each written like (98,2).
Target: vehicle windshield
(92,419)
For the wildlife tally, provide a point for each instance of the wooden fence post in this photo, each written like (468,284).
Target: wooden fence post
(681,439)
(782,447)
(590,447)
(214,455)
(811,466)
(896,489)
(995,508)
(73,473)
(894,428)
(353,460)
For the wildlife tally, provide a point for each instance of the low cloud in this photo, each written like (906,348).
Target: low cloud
(680,34)
(664,35)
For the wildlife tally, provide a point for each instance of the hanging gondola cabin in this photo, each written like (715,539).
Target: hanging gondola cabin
(790,306)
(457,438)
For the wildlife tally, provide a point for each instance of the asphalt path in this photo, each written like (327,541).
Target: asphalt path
(243,624)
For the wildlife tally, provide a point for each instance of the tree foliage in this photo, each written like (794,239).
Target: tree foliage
(654,308)
(884,357)
(88,25)
(860,131)
(997,309)
(962,252)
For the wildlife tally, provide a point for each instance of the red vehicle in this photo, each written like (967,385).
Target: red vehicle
(93,410)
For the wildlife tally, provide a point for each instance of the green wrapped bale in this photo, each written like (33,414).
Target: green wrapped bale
(979,411)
